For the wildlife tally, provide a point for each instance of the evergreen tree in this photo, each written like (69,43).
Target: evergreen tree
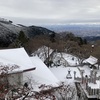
(22,38)
(52,37)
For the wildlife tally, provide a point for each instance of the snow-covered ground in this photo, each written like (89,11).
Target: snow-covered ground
(61,73)
(72,60)
(65,59)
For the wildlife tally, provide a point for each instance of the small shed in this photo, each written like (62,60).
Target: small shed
(92,61)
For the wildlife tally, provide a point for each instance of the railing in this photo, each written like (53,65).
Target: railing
(92,91)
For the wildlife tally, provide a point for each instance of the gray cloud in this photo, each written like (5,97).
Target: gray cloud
(50,11)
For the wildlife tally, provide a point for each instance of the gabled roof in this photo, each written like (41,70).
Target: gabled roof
(91,60)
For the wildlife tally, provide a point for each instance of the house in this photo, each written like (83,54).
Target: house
(25,69)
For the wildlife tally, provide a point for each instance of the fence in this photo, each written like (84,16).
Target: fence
(92,91)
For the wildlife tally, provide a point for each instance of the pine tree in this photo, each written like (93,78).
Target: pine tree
(22,38)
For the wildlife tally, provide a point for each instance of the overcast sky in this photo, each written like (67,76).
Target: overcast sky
(37,12)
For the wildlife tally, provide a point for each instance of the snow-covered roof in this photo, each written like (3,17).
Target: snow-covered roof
(17,57)
(42,73)
(91,60)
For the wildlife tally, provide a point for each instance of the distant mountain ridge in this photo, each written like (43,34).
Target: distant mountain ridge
(9,31)
(83,30)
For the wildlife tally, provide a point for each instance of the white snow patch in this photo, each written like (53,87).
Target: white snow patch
(62,57)
(61,73)
(72,60)
(91,60)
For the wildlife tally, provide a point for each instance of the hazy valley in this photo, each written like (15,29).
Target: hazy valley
(89,31)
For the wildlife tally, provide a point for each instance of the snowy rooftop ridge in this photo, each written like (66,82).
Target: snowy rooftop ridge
(92,60)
